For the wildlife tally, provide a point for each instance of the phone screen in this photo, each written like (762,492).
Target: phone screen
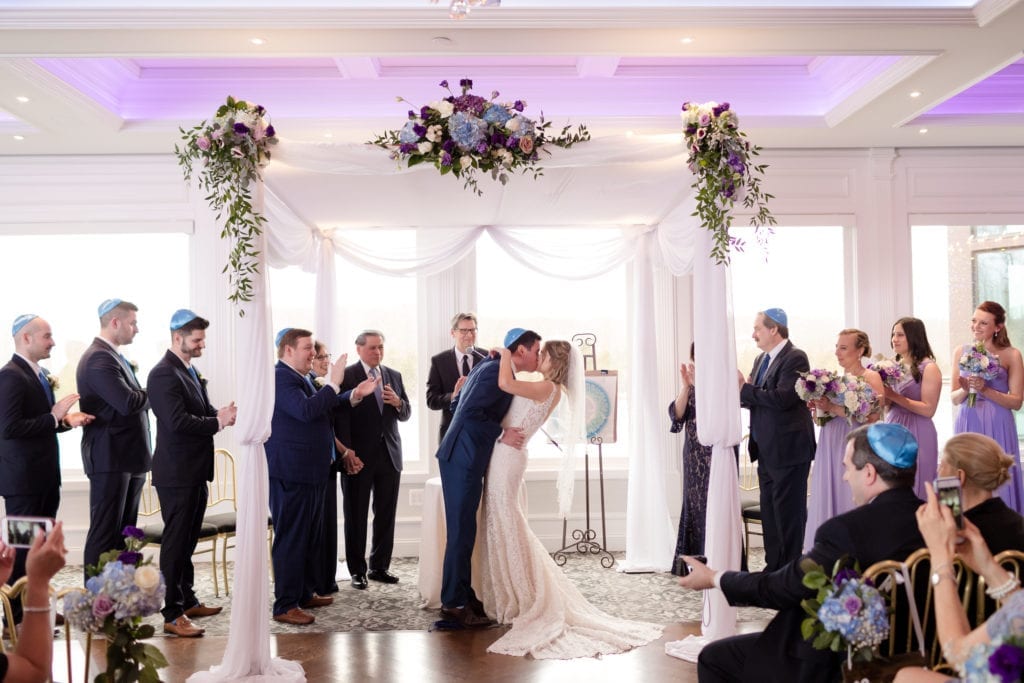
(19,532)
(948,491)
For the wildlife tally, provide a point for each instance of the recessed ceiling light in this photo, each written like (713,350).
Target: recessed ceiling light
(686,40)
(258,41)
(19,137)
(915,93)
(22,99)
(328,134)
(922,131)
(629,133)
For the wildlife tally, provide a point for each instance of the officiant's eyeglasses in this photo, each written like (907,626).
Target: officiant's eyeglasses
(465,330)
(323,356)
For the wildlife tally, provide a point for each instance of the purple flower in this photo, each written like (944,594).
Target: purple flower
(449,145)
(133,532)
(102,606)
(482,147)
(512,142)
(424,111)
(845,574)
(203,143)
(465,83)
(411,114)
(446,159)
(260,110)
(270,131)
(444,83)
(852,604)
(519,105)
(494,94)
(407,147)
(419,130)
(241,129)
(1007,662)
(685,105)
(129,557)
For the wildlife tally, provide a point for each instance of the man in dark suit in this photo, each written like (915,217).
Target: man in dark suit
(299,453)
(781,436)
(30,419)
(115,446)
(182,464)
(463,457)
(880,463)
(368,430)
(449,369)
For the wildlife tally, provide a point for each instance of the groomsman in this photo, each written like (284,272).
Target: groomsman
(115,446)
(449,369)
(30,419)
(781,436)
(182,464)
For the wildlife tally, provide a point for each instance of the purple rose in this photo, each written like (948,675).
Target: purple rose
(444,83)
(102,606)
(129,557)
(852,604)
(241,129)
(133,532)
(203,143)
(446,159)
(1007,662)
(270,131)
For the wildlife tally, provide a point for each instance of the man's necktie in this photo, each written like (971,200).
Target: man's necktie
(46,386)
(378,392)
(465,365)
(762,370)
(128,367)
(309,384)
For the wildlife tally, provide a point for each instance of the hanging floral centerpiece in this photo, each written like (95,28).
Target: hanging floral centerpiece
(721,162)
(234,148)
(461,134)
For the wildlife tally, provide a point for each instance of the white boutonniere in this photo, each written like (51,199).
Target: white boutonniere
(200,377)
(51,380)
(319,382)
(134,366)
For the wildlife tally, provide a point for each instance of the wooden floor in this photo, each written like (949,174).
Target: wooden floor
(412,656)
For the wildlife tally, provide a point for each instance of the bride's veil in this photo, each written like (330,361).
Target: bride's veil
(567,427)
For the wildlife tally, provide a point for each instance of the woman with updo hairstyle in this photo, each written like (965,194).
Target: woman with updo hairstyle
(914,401)
(830,495)
(982,467)
(996,398)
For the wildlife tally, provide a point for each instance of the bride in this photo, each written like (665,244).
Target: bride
(520,583)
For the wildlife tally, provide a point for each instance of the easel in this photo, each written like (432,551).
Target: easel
(585,540)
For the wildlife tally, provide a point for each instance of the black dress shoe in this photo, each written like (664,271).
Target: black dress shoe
(382,575)
(466,617)
(359,581)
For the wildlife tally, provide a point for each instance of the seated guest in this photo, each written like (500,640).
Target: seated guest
(982,467)
(880,463)
(32,659)
(965,649)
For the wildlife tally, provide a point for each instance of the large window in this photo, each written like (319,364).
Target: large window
(63,278)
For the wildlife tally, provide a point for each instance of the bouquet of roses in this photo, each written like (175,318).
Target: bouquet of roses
(847,611)
(975,361)
(892,372)
(1001,661)
(857,397)
(816,384)
(122,589)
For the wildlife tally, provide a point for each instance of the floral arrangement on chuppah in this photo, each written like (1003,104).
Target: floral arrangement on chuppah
(461,134)
(233,149)
(721,162)
(122,589)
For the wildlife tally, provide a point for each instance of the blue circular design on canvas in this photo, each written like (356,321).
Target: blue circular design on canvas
(598,408)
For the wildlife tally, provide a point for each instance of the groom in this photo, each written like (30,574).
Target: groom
(463,457)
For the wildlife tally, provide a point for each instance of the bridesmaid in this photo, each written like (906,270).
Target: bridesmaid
(830,495)
(914,402)
(997,398)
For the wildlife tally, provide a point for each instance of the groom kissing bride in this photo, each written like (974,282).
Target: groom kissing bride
(519,582)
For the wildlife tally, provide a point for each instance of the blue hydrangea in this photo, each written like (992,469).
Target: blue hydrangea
(496,114)
(857,612)
(467,130)
(408,133)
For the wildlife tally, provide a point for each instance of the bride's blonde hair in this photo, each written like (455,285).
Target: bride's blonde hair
(558,352)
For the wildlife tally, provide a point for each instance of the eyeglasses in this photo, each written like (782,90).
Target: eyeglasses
(465,330)
(324,356)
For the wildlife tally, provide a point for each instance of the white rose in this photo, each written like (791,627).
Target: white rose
(425,147)
(444,108)
(147,578)
(465,161)
(434,133)
(512,125)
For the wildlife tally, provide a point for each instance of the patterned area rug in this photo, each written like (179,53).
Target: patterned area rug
(648,597)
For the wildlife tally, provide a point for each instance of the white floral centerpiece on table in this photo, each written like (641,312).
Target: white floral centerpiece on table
(461,134)
(233,147)
(721,162)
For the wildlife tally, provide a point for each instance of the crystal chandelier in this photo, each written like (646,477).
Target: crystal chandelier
(459,9)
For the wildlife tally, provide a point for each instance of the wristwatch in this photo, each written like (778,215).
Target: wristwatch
(937,577)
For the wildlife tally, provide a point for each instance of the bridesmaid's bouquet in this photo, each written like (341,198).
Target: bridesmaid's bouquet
(857,397)
(892,372)
(816,384)
(977,362)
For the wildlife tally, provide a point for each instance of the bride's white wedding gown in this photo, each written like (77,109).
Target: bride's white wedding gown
(520,583)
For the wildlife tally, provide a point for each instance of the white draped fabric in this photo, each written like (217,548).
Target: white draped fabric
(627,201)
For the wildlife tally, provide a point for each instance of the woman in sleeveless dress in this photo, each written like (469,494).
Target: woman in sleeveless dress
(520,584)
(997,398)
(914,402)
(830,495)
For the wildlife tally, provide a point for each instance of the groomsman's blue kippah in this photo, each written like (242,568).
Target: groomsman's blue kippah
(21,321)
(107,306)
(512,335)
(182,317)
(778,315)
(893,443)
(280,335)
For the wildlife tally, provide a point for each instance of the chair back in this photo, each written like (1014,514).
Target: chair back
(748,470)
(222,488)
(149,502)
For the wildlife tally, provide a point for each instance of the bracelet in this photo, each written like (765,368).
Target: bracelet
(28,608)
(1000,592)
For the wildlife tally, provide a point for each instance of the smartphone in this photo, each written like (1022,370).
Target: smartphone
(683,569)
(19,532)
(949,493)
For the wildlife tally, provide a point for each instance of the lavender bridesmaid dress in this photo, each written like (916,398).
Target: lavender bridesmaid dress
(922,428)
(830,495)
(996,422)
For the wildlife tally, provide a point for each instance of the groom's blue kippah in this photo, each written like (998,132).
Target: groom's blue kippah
(182,317)
(512,335)
(280,335)
(21,321)
(107,306)
(778,315)
(893,443)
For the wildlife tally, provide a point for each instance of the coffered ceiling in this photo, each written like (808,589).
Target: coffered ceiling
(121,76)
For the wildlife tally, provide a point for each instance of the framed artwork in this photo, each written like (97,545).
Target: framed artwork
(601,404)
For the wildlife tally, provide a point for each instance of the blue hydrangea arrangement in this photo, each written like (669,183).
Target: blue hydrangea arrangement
(461,134)
(848,611)
(1001,661)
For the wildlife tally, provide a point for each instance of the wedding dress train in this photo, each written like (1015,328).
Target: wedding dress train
(521,584)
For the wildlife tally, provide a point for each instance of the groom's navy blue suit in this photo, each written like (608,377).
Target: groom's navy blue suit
(463,457)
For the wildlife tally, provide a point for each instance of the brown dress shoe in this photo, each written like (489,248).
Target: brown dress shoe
(183,628)
(202,610)
(466,617)
(295,617)
(317,601)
